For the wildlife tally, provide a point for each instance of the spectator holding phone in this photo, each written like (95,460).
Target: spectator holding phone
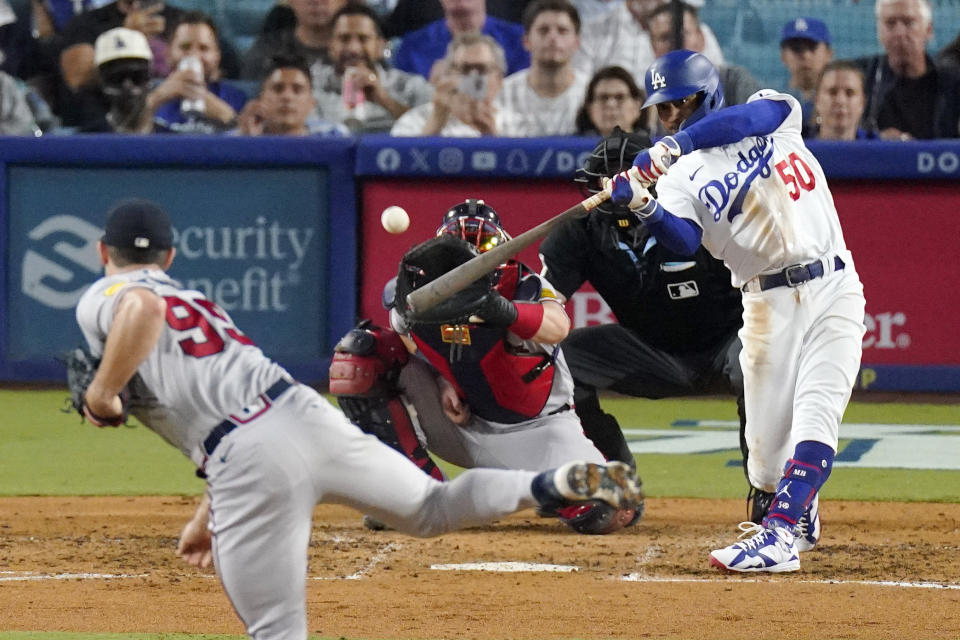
(152,18)
(286,106)
(463,99)
(123,59)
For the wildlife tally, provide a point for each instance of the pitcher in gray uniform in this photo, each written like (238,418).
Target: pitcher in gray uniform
(271,449)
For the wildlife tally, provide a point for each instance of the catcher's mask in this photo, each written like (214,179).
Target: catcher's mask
(476,222)
(614,154)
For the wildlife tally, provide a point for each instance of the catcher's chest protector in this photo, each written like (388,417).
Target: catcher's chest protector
(500,382)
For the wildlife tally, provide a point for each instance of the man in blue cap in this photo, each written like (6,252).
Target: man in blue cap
(805,51)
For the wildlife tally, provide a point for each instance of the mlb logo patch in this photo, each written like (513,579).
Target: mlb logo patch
(681,290)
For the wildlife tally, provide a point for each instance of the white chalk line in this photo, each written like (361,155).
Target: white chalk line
(506,567)
(383,552)
(638,577)
(32,576)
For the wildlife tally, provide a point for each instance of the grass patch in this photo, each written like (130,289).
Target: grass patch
(48,452)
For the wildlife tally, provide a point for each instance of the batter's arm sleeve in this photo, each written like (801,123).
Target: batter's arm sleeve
(137,325)
(733,124)
(680,235)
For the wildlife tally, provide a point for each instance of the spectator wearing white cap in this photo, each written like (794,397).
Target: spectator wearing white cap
(122,57)
(805,50)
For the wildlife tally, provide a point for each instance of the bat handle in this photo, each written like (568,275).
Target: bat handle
(596,199)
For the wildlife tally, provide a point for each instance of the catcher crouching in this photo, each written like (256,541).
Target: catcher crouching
(486,384)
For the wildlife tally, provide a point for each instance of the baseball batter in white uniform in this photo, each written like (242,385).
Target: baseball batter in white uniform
(271,449)
(742,183)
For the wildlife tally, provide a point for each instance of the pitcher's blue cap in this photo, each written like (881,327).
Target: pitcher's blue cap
(806,29)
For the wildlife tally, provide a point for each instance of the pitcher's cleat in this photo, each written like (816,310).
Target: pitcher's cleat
(808,526)
(614,483)
(770,548)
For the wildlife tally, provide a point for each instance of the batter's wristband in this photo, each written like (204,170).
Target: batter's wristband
(529,319)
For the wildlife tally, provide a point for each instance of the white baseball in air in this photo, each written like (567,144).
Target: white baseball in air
(395,219)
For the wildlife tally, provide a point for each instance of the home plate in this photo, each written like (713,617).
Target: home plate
(505,567)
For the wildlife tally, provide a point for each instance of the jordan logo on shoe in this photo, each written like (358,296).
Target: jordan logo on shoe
(785,491)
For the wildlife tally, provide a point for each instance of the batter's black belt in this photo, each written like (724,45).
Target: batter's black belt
(216,434)
(793,275)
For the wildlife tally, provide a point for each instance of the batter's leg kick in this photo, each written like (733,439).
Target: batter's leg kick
(363,376)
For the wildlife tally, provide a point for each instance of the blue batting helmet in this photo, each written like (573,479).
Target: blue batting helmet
(679,74)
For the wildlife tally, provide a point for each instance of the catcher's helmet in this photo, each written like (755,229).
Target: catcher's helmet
(476,222)
(614,154)
(679,74)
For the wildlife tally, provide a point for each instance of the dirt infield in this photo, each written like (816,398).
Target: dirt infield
(652,581)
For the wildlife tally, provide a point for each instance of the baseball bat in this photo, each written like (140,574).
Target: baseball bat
(459,278)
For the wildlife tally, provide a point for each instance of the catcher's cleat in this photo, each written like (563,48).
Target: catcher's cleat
(808,526)
(580,481)
(770,548)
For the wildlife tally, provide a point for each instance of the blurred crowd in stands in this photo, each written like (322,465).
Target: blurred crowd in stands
(461,68)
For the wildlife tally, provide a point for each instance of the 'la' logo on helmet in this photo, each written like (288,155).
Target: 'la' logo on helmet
(657,81)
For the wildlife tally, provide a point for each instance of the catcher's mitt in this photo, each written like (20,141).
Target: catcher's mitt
(428,261)
(81,368)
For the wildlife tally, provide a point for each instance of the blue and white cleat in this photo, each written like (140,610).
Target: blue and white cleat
(808,527)
(771,549)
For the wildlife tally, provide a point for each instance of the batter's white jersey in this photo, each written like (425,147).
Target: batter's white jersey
(763,202)
(202,369)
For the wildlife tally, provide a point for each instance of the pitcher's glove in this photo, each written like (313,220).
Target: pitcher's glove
(428,261)
(81,368)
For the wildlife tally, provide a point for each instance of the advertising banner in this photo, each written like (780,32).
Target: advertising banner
(902,252)
(255,240)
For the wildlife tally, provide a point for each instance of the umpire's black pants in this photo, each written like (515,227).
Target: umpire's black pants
(612,358)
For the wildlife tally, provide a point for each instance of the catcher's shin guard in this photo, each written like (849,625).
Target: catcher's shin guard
(389,420)
(601,427)
(363,375)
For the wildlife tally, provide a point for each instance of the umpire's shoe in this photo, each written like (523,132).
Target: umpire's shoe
(575,482)
(770,548)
